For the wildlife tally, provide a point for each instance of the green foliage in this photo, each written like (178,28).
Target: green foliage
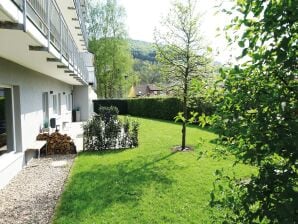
(113,66)
(205,89)
(145,65)
(143,51)
(157,108)
(113,60)
(105,19)
(193,117)
(258,115)
(104,131)
(147,72)
(206,120)
(121,104)
(134,134)
(181,52)
(107,113)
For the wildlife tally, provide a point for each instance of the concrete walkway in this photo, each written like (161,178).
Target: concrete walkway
(75,131)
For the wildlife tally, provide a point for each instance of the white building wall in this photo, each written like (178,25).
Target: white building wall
(11,164)
(92,96)
(29,85)
(83,99)
(32,85)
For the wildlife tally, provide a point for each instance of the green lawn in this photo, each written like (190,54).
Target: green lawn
(148,184)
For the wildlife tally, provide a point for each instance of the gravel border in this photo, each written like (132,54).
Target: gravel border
(32,195)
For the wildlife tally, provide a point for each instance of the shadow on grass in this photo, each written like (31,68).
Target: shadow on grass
(99,187)
(104,151)
(206,128)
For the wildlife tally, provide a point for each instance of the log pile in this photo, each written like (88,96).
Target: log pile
(57,143)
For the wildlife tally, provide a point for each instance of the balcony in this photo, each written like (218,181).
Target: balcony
(51,40)
(89,61)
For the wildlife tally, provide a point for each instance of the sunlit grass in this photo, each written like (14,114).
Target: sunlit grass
(148,184)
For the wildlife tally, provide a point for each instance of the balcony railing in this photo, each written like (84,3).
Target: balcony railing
(81,11)
(46,16)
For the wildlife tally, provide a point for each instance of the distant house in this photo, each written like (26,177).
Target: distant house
(146,90)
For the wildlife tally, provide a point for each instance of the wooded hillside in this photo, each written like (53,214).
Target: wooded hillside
(142,50)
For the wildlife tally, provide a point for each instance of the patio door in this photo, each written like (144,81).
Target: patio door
(6,121)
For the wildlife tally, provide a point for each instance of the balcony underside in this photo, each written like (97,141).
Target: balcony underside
(15,46)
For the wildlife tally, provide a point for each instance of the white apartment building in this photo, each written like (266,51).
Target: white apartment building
(45,72)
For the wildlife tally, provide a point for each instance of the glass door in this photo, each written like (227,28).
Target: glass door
(6,121)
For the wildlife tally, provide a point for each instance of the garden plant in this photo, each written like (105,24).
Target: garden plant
(106,131)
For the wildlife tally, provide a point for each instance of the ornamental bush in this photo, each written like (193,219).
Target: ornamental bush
(105,131)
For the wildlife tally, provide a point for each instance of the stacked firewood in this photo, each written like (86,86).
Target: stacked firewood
(57,143)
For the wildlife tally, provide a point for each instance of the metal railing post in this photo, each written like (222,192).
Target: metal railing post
(25,15)
(73,54)
(49,23)
(67,47)
(61,44)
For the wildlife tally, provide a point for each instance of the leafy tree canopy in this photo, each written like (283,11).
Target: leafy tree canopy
(112,54)
(181,53)
(258,114)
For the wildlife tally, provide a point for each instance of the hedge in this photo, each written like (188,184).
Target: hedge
(157,108)
(121,104)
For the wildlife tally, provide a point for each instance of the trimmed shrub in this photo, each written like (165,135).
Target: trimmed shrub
(157,108)
(108,113)
(105,131)
(121,104)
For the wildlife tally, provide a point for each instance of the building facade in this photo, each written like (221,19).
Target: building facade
(45,72)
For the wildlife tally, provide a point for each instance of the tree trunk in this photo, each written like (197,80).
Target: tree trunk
(183,135)
(184,115)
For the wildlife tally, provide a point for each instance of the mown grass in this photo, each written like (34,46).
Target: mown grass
(148,184)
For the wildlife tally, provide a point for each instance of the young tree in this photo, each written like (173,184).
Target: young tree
(180,51)
(258,114)
(108,42)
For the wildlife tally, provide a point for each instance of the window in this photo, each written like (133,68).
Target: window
(59,104)
(55,104)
